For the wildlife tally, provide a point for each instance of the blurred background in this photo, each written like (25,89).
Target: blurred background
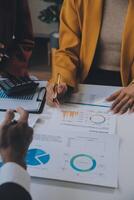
(45,20)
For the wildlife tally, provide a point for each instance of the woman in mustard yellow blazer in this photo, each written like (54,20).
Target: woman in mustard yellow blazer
(86,28)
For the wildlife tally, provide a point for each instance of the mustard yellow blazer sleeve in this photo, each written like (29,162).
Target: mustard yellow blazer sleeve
(66,60)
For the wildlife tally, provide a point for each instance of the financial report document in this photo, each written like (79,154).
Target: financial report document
(87,118)
(76,143)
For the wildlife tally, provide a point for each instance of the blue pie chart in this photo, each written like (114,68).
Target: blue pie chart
(37,157)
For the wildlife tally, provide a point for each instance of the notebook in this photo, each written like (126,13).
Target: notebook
(33,102)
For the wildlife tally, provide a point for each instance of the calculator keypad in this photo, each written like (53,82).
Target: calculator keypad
(15,86)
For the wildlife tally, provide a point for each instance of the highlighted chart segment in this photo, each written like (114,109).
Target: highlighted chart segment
(37,157)
(83,163)
(69,114)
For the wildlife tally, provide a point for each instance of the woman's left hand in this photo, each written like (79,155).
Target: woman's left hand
(123,100)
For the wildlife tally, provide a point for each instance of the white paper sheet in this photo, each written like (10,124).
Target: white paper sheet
(75,157)
(96,95)
(88,119)
(75,143)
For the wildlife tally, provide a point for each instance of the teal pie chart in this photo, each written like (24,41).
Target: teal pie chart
(37,157)
(83,163)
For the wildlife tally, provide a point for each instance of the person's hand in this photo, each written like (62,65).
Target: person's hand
(55,94)
(1,54)
(123,100)
(15,137)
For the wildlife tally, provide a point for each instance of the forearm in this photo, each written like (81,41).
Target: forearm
(67,57)
(11,172)
(15,138)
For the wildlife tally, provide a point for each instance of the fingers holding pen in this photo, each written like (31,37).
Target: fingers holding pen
(55,93)
(50,95)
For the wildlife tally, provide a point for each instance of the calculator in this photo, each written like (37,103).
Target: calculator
(13,85)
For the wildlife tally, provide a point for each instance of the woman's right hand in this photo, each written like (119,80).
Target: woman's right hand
(55,93)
